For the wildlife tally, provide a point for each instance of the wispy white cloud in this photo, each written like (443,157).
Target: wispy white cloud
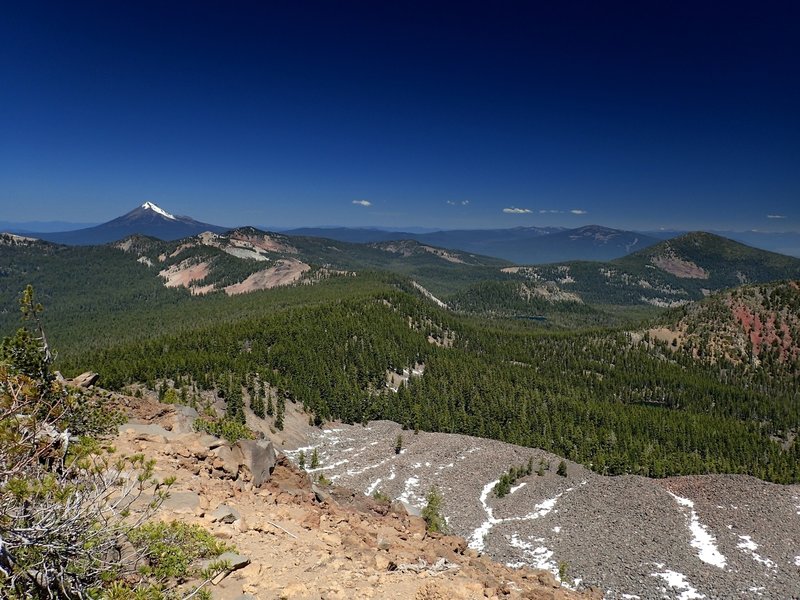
(578,211)
(776,216)
(550,211)
(362,202)
(457,203)
(464,202)
(517,211)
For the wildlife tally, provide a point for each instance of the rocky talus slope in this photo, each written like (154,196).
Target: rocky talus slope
(297,540)
(713,536)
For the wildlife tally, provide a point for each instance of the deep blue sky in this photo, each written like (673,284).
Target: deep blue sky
(638,114)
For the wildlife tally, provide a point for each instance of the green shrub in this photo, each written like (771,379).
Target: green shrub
(228,429)
(65,501)
(432,513)
(381,497)
(172,548)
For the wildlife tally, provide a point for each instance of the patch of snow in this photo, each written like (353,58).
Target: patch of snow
(373,486)
(557,529)
(330,466)
(352,472)
(541,509)
(797,561)
(157,209)
(630,597)
(705,543)
(477,540)
(678,581)
(408,496)
(517,487)
(304,449)
(748,546)
(536,555)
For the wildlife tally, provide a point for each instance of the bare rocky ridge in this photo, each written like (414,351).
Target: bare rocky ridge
(710,536)
(297,540)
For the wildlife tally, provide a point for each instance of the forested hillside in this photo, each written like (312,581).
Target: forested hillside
(598,398)
(545,371)
(755,327)
(668,274)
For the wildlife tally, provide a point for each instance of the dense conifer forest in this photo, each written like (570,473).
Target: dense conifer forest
(539,367)
(597,396)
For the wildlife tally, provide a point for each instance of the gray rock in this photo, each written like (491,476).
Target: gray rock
(321,494)
(185,503)
(399,508)
(257,457)
(85,380)
(237,561)
(228,460)
(225,514)
(411,509)
(147,432)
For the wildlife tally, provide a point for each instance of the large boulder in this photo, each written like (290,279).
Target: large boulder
(248,460)
(227,460)
(257,458)
(85,380)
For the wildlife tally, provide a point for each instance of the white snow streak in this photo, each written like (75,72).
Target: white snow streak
(330,466)
(537,556)
(478,538)
(748,546)
(705,543)
(678,581)
(516,487)
(408,496)
(373,486)
(352,472)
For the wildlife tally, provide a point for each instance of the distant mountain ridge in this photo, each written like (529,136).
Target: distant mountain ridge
(670,274)
(522,245)
(147,219)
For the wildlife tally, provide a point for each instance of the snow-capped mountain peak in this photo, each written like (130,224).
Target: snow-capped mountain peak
(157,209)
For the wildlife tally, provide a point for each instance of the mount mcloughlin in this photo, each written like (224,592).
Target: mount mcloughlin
(147,219)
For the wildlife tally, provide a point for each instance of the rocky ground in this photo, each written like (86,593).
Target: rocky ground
(711,536)
(296,540)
